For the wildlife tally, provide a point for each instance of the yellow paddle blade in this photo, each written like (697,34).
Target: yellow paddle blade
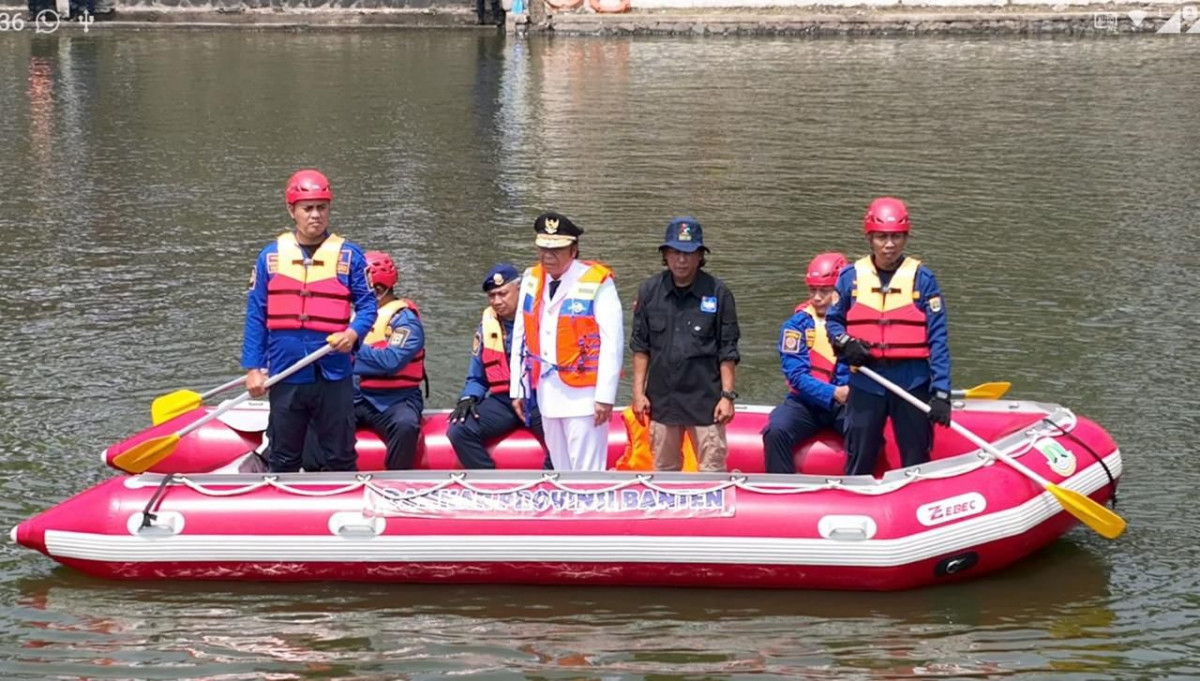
(988,391)
(166,407)
(142,457)
(1090,512)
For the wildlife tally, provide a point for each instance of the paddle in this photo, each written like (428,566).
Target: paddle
(166,407)
(1099,518)
(144,455)
(983,391)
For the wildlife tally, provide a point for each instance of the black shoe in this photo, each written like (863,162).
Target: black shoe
(480,20)
(500,19)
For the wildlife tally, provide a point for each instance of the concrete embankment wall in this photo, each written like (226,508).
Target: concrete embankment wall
(662,17)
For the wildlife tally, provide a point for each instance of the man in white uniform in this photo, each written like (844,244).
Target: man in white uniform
(567,348)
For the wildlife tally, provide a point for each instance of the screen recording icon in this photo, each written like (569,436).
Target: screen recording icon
(1184,20)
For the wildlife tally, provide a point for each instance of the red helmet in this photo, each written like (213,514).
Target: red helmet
(886,215)
(824,269)
(381,268)
(308,185)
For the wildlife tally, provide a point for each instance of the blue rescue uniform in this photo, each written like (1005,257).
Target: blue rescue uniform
(321,394)
(394,414)
(809,406)
(497,418)
(870,404)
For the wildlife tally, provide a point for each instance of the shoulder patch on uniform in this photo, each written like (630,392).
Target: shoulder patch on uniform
(370,284)
(253,274)
(935,304)
(399,337)
(477,345)
(791,342)
(810,337)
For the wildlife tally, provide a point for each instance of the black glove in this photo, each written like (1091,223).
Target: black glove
(465,406)
(852,350)
(939,408)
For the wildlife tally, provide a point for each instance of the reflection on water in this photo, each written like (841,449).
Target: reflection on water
(1052,184)
(311,628)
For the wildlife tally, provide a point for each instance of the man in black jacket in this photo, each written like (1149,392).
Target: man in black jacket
(685,335)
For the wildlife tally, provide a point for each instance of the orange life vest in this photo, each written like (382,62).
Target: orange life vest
(638,455)
(578,337)
(305,293)
(492,354)
(888,319)
(821,360)
(410,375)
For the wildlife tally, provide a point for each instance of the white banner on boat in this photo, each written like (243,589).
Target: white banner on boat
(552,503)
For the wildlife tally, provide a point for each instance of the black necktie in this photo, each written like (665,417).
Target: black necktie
(553,287)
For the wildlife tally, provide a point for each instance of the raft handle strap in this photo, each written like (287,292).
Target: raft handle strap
(148,514)
(1071,436)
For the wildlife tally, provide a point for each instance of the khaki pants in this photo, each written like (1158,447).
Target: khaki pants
(667,444)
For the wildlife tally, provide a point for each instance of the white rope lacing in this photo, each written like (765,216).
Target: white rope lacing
(643,480)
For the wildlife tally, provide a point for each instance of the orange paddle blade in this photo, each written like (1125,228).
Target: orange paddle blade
(1090,512)
(988,391)
(144,455)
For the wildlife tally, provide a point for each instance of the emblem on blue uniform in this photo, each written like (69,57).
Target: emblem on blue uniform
(708,304)
(399,337)
(791,342)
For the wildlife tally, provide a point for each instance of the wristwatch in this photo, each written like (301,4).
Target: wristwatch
(729,395)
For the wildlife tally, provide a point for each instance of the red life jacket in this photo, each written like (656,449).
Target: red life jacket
(492,354)
(888,318)
(410,375)
(307,294)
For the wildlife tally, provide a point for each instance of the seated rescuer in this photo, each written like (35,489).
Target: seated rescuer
(815,378)
(890,316)
(390,368)
(485,411)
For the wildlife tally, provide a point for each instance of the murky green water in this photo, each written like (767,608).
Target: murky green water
(1054,189)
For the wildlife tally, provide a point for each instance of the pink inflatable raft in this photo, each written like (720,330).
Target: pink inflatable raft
(960,516)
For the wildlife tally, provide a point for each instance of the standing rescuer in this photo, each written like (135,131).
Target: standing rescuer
(684,340)
(890,316)
(303,289)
